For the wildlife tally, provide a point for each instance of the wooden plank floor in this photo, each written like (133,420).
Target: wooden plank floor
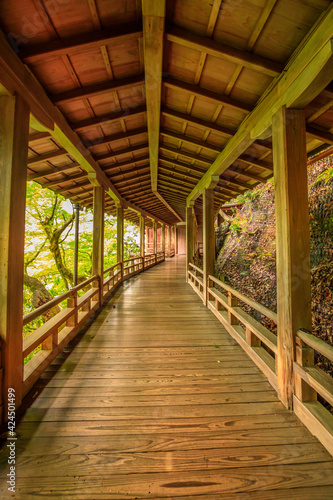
(157,401)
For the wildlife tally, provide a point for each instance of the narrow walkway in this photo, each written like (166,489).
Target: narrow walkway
(157,401)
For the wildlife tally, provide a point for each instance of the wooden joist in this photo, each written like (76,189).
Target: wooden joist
(191,140)
(117,137)
(210,95)
(107,118)
(223,51)
(96,89)
(47,156)
(306,75)
(119,152)
(80,43)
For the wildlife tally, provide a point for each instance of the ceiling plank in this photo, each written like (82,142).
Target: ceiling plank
(119,152)
(222,51)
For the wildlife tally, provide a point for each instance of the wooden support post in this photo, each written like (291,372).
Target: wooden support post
(98,238)
(120,237)
(155,237)
(169,241)
(163,238)
(142,237)
(189,238)
(14,136)
(208,238)
(292,241)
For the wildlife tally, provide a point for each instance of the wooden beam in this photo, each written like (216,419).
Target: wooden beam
(76,177)
(215,97)
(322,135)
(80,43)
(119,152)
(208,239)
(96,89)
(189,238)
(107,118)
(54,170)
(307,74)
(46,157)
(222,51)
(120,234)
(142,236)
(115,137)
(155,237)
(98,237)
(38,136)
(125,163)
(163,237)
(186,154)
(14,134)
(153,33)
(292,241)
(168,206)
(191,140)
(207,125)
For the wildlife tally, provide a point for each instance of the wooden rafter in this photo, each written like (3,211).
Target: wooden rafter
(96,89)
(215,97)
(117,137)
(107,119)
(223,51)
(80,43)
(308,73)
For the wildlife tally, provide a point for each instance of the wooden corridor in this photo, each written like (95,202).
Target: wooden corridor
(157,401)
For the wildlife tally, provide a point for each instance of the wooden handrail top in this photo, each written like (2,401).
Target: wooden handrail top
(54,302)
(196,268)
(132,259)
(111,268)
(250,302)
(316,344)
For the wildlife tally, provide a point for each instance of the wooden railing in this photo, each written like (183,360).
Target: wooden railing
(310,380)
(172,252)
(56,332)
(195,279)
(261,345)
(150,260)
(253,335)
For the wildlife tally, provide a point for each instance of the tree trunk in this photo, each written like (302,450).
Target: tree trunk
(40,295)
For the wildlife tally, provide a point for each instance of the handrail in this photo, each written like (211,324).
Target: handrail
(316,343)
(56,332)
(111,268)
(243,298)
(196,268)
(309,379)
(54,302)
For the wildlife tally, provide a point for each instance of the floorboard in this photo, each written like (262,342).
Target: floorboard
(158,401)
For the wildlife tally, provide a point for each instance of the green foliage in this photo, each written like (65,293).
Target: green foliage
(45,213)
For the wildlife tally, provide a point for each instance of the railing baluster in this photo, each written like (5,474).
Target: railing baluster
(304,357)
(232,302)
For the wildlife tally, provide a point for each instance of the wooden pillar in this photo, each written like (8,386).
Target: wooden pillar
(189,238)
(292,241)
(155,237)
(98,237)
(142,235)
(14,133)
(208,237)
(120,234)
(163,238)
(169,240)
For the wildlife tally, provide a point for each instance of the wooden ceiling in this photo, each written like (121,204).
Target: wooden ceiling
(155,92)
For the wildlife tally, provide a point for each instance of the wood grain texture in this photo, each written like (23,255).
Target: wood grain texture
(131,414)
